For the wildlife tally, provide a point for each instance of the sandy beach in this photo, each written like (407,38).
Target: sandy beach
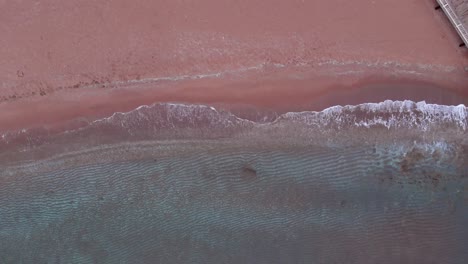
(223,131)
(62,61)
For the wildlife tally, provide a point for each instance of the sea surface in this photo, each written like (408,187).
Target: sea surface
(173,183)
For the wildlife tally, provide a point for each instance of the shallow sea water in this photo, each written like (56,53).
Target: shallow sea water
(172,183)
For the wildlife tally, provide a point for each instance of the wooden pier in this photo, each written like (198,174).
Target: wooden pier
(457,12)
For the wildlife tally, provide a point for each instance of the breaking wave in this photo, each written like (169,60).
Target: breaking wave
(390,114)
(175,121)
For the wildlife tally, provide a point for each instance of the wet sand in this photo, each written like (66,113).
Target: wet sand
(277,90)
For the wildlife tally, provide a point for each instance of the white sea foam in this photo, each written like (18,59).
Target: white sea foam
(174,116)
(390,114)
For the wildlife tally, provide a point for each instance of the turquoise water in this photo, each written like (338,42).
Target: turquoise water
(376,183)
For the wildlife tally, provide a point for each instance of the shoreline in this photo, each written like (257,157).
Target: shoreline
(279,90)
(163,122)
(192,131)
(67,61)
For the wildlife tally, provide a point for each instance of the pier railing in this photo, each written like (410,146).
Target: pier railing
(457,12)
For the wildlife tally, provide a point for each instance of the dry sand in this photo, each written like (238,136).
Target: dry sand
(65,60)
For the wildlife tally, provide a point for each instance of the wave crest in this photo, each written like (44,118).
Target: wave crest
(175,121)
(389,114)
